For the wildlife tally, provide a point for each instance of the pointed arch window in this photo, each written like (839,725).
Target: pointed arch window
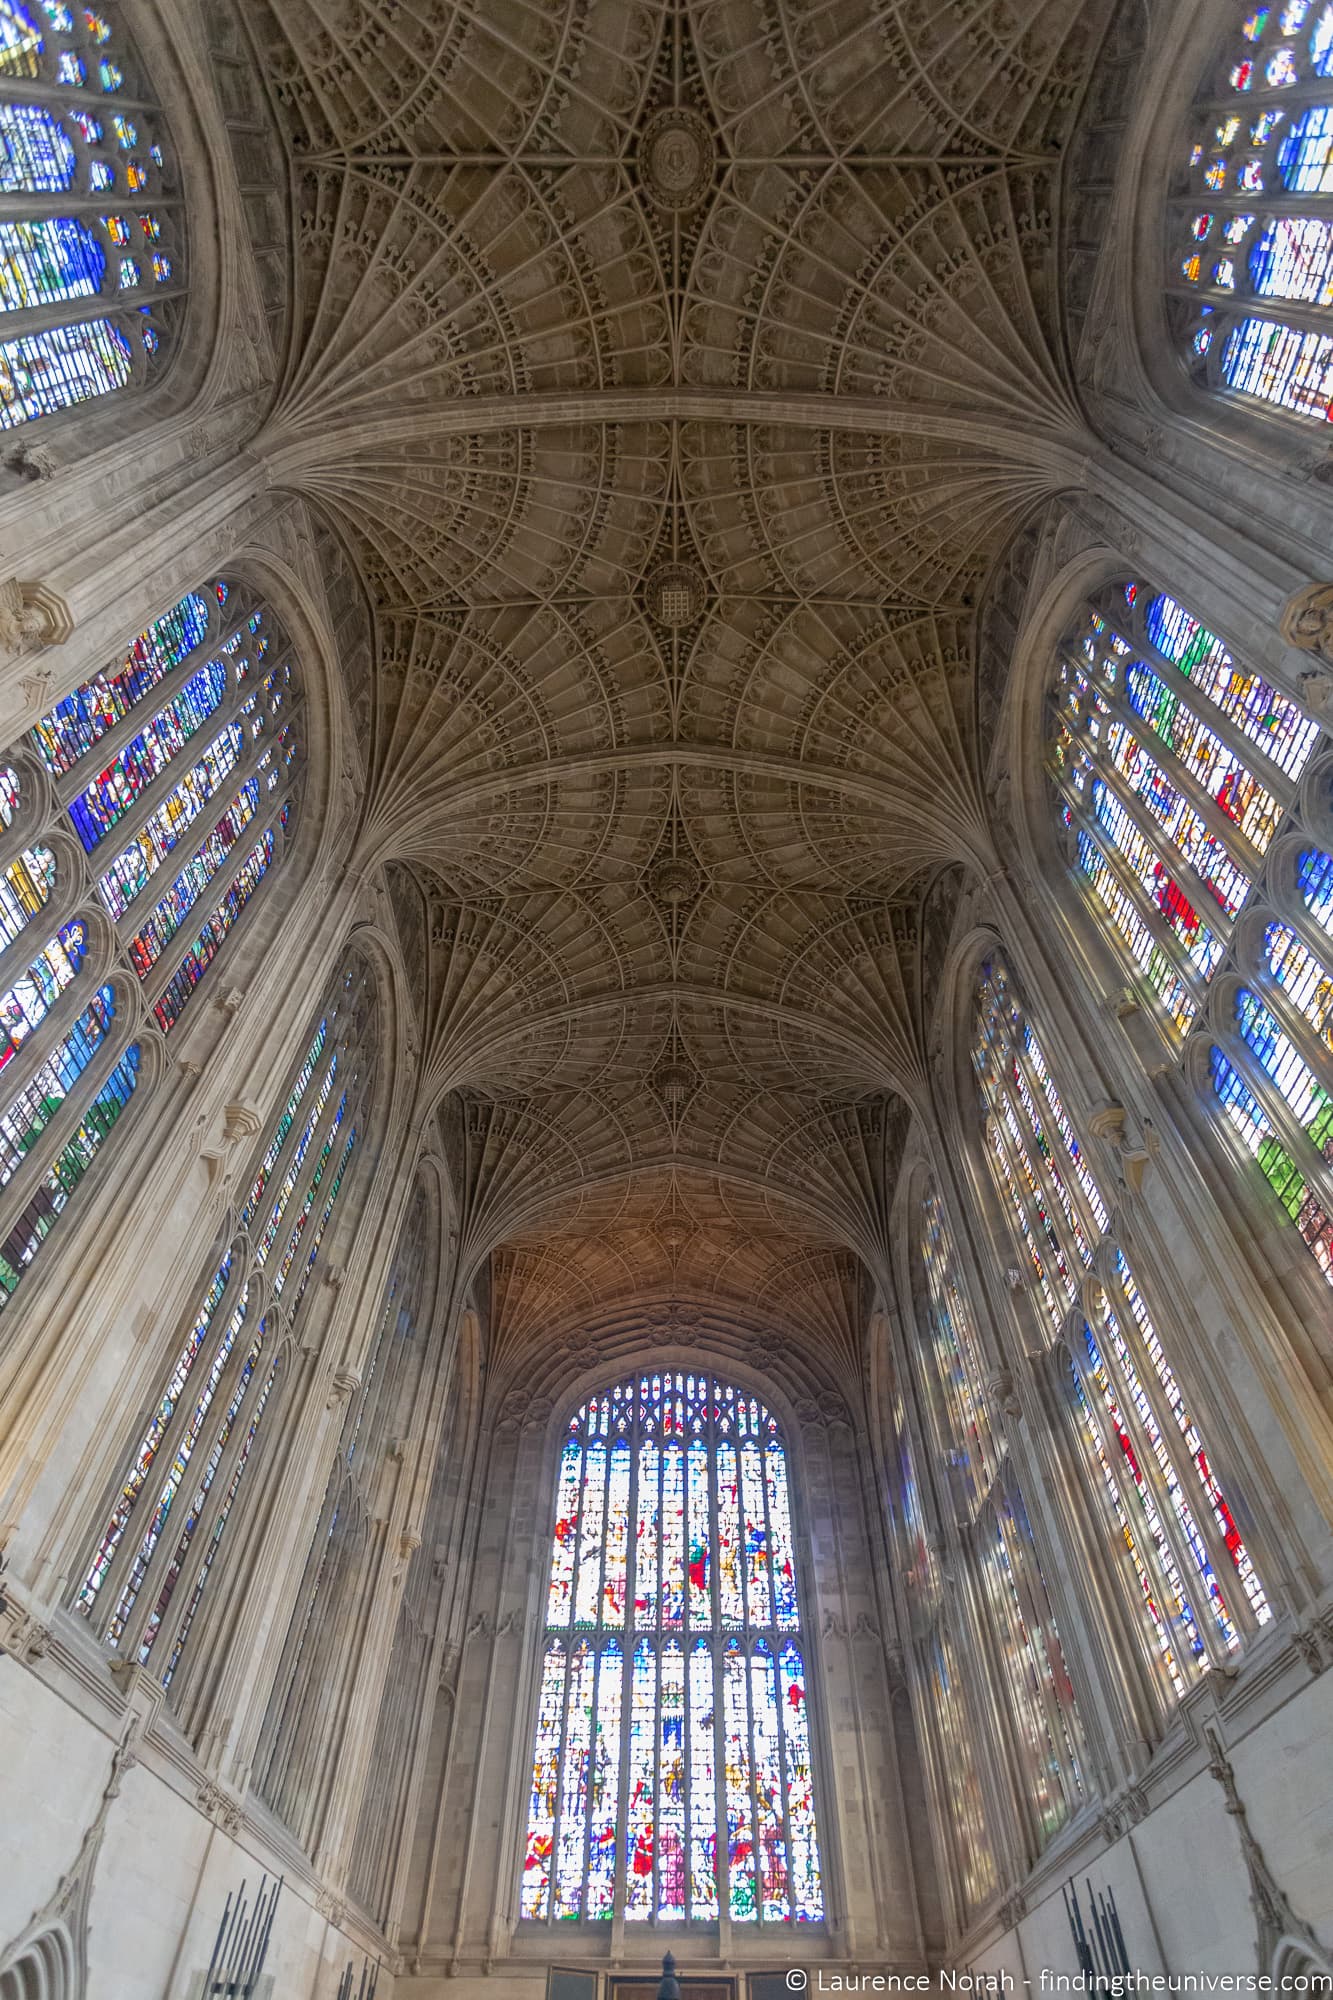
(1039,1695)
(1145,1457)
(178,1491)
(91,252)
(672,1770)
(137,819)
(1250,271)
(1179,779)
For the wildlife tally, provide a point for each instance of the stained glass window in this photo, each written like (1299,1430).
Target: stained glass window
(672,1766)
(179,1486)
(173,770)
(1048,1737)
(1174,766)
(1145,1456)
(91,255)
(1250,264)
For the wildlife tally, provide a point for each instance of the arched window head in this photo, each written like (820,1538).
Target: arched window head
(91,260)
(1250,257)
(672,1772)
(183,1479)
(1145,1459)
(1174,767)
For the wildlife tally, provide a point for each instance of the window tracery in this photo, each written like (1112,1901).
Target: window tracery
(102,865)
(1198,1588)
(156,1548)
(1179,774)
(961,1823)
(1251,271)
(91,257)
(672,1770)
(1046,1727)
(301,1731)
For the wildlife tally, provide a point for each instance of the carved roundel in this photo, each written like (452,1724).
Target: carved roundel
(677,157)
(674,594)
(674,880)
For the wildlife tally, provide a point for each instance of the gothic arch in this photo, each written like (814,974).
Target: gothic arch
(46,1968)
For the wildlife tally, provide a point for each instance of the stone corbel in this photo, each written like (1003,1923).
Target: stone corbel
(342,1385)
(30,461)
(220,1807)
(331,1907)
(32,616)
(23,1636)
(239,1123)
(1109,1123)
(1307,624)
(1002,1391)
(1013,1910)
(1122,1812)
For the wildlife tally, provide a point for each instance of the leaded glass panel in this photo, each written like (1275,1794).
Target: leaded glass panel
(672,1698)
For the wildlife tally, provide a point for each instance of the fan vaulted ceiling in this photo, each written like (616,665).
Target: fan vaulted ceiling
(674,375)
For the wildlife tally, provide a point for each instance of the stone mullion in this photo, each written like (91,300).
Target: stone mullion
(262,1308)
(421,1714)
(1079,1218)
(1022,1150)
(1193,1582)
(187,1400)
(369,1660)
(383,1809)
(1002,1773)
(981,1695)
(131,1540)
(1025,1569)
(52,1363)
(1115,1649)
(503,1897)
(1098,1611)
(249,1639)
(828,1606)
(1039,1462)
(1204,1193)
(1226,831)
(407,1519)
(1149,915)
(275,1750)
(1292,1136)
(939,1809)
(308,1736)
(63,1125)
(466,1515)
(849,1524)
(333,1682)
